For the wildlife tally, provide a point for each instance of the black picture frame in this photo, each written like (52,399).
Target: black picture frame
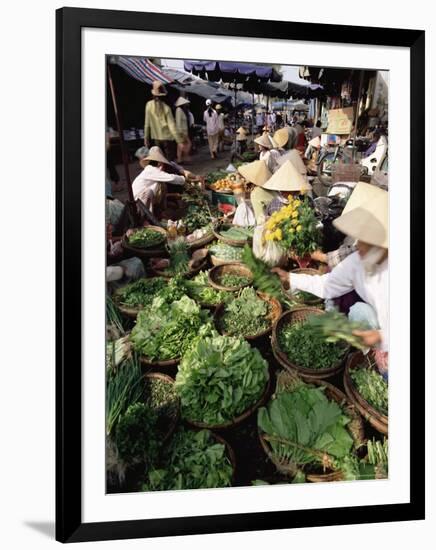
(69,22)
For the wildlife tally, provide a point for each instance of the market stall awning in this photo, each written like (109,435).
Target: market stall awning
(232,72)
(141,69)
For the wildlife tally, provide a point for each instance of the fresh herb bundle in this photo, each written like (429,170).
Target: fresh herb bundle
(230,280)
(246,315)
(135,435)
(165,331)
(146,237)
(194,460)
(305,428)
(336,327)
(237,233)
(160,396)
(114,321)
(371,386)
(307,348)
(140,293)
(123,388)
(179,258)
(219,378)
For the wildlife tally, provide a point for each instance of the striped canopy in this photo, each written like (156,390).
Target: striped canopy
(141,69)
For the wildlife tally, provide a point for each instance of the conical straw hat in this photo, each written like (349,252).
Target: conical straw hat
(266,141)
(281,137)
(181,101)
(155,155)
(287,178)
(362,193)
(369,222)
(255,172)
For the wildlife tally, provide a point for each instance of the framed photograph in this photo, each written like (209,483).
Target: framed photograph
(240,275)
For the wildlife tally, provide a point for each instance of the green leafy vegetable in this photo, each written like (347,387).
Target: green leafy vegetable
(160,396)
(219,378)
(179,258)
(135,435)
(306,348)
(230,280)
(140,293)
(194,460)
(199,290)
(237,233)
(371,386)
(335,327)
(246,314)
(165,331)
(146,237)
(226,252)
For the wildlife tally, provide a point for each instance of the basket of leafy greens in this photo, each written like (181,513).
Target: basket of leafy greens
(144,239)
(367,389)
(232,234)
(221,381)
(204,294)
(159,395)
(251,314)
(130,299)
(193,460)
(298,347)
(221,253)
(230,277)
(309,428)
(163,332)
(179,262)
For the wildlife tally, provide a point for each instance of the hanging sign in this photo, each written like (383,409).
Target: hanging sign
(340,121)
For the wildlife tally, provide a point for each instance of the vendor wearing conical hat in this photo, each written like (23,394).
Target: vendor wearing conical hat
(182,125)
(257,173)
(286,181)
(363,192)
(149,185)
(286,139)
(268,151)
(365,271)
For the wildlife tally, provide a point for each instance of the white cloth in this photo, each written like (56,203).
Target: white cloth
(271,158)
(348,275)
(212,122)
(148,180)
(221,124)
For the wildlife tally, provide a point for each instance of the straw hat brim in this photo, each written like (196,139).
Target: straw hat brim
(362,193)
(364,225)
(255,172)
(157,157)
(287,178)
(281,137)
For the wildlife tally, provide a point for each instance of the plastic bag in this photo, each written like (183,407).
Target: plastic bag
(244,215)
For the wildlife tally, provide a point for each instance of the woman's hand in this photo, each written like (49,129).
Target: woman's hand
(369,337)
(284,275)
(319,256)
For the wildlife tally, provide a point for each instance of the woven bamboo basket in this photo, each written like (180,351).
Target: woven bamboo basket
(309,301)
(238,419)
(234,268)
(377,419)
(296,315)
(218,261)
(148,252)
(173,422)
(206,239)
(357,433)
(159,364)
(273,315)
(227,240)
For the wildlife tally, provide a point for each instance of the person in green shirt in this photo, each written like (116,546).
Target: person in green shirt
(159,125)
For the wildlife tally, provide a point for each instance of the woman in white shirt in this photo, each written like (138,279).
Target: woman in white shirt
(365,271)
(149,185)
(211,119)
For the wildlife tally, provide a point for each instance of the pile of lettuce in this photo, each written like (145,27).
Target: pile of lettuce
(219,378)
(166,330)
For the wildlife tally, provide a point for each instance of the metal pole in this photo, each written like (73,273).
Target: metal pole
(120,132)
(356,116)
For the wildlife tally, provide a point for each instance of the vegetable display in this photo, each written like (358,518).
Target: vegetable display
(335,327)
(160,396)
(306,348)
(194,460)
(212,177)
(245,315)
(136,437)
(237,233)
(165,331)
(145,238)
(230,280)
(199,290)
(226,252)
(179,258)
(219,378)
(294,227)
(371,386)
(305,428)
(140,293)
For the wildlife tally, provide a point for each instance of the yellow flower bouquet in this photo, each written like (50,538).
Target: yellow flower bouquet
(294,228)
